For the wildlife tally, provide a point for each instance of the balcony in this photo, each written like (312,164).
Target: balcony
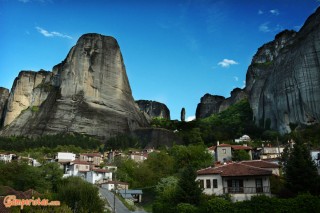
(246,190)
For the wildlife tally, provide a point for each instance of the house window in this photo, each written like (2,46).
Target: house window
(77,166)
(87,167)
(224,151)
(201,183)
(235,186)
(215,183)
(208,183)
(259,186)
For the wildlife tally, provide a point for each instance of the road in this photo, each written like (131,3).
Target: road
(120,208)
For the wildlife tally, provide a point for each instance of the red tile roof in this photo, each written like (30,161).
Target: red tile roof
(101,170)
(235,170)
(91,154)
(240,147)
(235,147)
(116,182)
(260,164)
(81,162)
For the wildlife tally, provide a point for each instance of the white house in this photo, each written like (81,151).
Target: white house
(271,152)
(7,158)
(239,180)
(110,185)
(244,138)
(77,168)
(65,156)
(98,175)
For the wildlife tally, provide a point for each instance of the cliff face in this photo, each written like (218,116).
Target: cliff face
(283,80)
(213,104)
(28,90)
(154,109)
(4,95)
(88,93)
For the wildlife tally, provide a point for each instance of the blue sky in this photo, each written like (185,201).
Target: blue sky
(174,51)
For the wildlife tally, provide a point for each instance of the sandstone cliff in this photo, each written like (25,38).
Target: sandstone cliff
(4,95)
(154,109)
(283,80)
(213,104)
(88,93)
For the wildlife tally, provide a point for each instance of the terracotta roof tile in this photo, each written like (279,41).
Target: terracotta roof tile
(260,164)
(235,170)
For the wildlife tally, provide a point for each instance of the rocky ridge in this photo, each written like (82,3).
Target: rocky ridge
(283,80)
(154,109)
(88,93)
(213,104)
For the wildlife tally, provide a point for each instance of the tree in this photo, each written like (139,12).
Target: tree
(240,155)
(79,195)
(53,174)
(300,171)
(188,190)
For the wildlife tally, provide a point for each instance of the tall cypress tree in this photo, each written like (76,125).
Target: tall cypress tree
(188,190)
(300,171)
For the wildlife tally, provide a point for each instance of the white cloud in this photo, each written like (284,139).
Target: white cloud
(52,34)
(191,118)
(274,12)
(236,78)
(260,12)
(227,62)
(264,27)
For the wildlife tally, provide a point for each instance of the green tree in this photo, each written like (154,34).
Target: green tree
(79,195)
(240,155)
(188,190)
(53,174)
(300,171)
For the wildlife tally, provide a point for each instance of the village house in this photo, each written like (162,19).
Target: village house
(62,157)
(138,157)
(94,158)
(111,185)
(7,157)
(224,152)
(77,168)
(244,138)
(239,180)
(96,176)
(268,152)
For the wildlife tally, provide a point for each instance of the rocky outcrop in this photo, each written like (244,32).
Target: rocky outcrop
(283,80)
(213,104)
(29,90)
(154,109)
(4,95)
(88,93)
(209,104)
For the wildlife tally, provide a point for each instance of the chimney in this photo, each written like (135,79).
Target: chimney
(218,143)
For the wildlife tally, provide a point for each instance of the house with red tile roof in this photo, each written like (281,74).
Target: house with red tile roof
(97,175)
(275,168)
(94,158)
(239,180)
(223,152)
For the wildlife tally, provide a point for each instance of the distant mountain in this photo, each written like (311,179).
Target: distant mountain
(282,82)
(87,93)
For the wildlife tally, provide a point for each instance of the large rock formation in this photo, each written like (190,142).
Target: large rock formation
(154,109)
(28,90)
(87,93)
(283,80)
(4,95)
(213,104)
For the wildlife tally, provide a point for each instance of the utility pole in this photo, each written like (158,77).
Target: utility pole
(114,195)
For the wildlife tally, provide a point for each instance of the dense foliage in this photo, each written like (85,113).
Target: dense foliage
(19,143)
(75,194)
